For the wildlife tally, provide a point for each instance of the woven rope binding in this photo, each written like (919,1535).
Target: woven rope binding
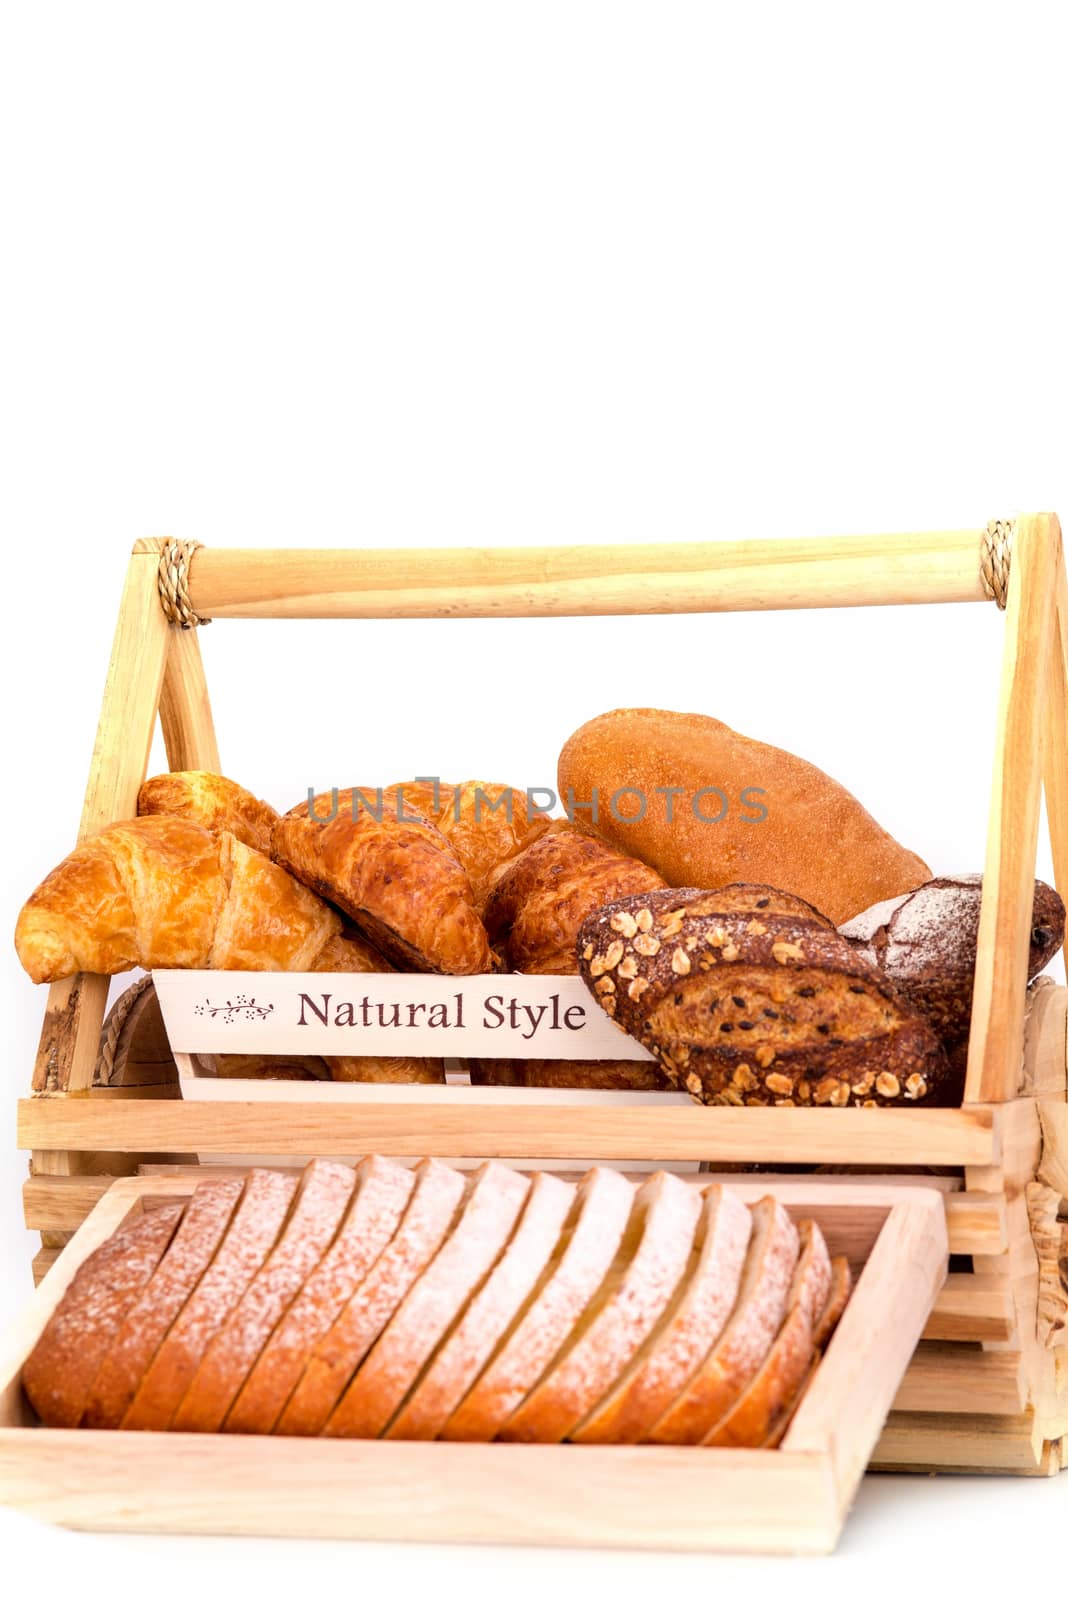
(995,559)
(175,560)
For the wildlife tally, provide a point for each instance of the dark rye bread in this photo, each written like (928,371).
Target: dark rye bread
(746,997)
(925,943)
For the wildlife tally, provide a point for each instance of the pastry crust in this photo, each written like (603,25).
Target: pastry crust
(433,1303)
(215,802)
(430,1214)
(62,1367)
(653,1257)
(760,1007)
(487,824)
(715,773)
(695,1319)
(163,892)
(587,1248)
(260,1213)
(198,1236)
(543,897)
(630,1075)
(398,879)
(322,1197)
(382,1192)
(745,1341)
(467,1349)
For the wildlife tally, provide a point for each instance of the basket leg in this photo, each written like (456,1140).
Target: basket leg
(1055,742)
(996,1043)
(70,1036)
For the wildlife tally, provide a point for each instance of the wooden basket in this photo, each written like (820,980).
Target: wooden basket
(987,1388)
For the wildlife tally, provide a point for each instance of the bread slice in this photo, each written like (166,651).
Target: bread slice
(383,1189)
(756,1412)
(430,1214)
(199,1234)
(745,1341)
(322,1197)
(59,1374)
(841,1284)
(587,1248)
(626,1308)
(703,1301)
(432,1305)
(260,1213)
(463,1354)
(837,1296)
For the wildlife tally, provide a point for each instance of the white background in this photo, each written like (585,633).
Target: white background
(479,274)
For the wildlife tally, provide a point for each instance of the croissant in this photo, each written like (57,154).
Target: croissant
(164,892)
(215,802)
(534,911)
(487,824)
(392,872)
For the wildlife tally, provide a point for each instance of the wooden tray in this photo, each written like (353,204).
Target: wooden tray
(987,1388)
(792,1499)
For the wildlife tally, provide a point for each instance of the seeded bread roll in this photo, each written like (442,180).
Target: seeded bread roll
(925,943)
(758,1006)
(721,808)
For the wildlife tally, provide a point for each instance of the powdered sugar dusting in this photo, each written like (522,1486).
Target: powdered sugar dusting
(618,1328)
(588,1254)
(433,1303)
(700,1317)
(425,1223)
(383,1189)
(461,1358)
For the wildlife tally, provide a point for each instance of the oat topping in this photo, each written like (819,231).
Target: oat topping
(637,987)
(628,968)
(915,1086)
(778,1083)
(755,928)
(680,962)
(646,944)
(605,985)
(784,952)
(888,1085)
(624,923)
(644,919)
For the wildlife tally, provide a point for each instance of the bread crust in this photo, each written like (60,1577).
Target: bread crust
(471,1344)
(656,751)
(757,1410)
(653,1258)
(426,1222)
(215,802)
(703,1302)
(588,1245)
(381,1194)
(255,1224)
(190,1253)
(398,879)
(925,942)
(629,1075)
(431,1306)
(60,1371)
(745,1341)
(322,1197)
(767,1008)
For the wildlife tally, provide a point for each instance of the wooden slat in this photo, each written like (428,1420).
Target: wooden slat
(896,1138)
(971,1308)
(42,1264)
(956,1378)
(996,1040)
(963,1443)
(184,707)
(588,580)
(977,1223)
(61,1202)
